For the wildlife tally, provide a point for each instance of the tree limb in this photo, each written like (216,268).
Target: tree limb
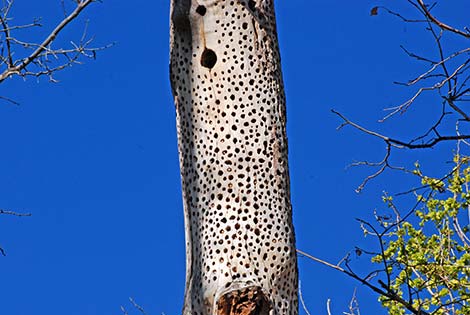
(439,23)
(384,291)
(15,69)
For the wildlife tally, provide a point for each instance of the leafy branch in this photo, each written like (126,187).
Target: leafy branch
(424,255)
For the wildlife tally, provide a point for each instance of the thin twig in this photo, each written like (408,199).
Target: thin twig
(9,100)
(124,311)
(137,306)
(18,214)
(302,299)
(398,143)
(328,309)
(13,213)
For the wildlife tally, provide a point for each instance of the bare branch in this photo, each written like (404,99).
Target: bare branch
(9,100)
(6,30)
(398,143)
(384,291)
(353,305)
(14,68)
(137,306)
(35,23)
(301,298)
(384,164)
(124,311)
(447,77)
(18,214)
(442,25)
(413,55)
(13,213)
(41,57)
(367,131)
(328,308)
(391,12)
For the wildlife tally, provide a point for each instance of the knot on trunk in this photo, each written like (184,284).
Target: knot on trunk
(246,301)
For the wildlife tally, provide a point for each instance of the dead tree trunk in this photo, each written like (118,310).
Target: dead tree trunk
(229,97)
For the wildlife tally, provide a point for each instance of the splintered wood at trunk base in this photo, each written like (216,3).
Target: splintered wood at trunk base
(231,121)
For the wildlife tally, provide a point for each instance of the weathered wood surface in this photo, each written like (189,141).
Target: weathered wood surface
(231,119)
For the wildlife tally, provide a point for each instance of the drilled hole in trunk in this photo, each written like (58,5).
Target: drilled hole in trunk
(201,10)
(208,58)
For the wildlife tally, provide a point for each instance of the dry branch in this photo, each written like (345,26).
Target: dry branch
(382,290)
(442,25)
(43,54)
(41,57)
(13,213)
(447,75)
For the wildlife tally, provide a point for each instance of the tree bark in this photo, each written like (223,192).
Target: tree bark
(227,85)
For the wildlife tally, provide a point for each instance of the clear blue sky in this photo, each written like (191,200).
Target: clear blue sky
(94,157)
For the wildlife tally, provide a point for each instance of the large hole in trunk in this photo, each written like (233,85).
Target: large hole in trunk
(208,58)
(247,301)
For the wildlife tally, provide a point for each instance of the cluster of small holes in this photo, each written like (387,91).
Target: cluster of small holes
(233,151)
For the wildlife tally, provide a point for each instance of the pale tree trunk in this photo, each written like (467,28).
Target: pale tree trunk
(229,96)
